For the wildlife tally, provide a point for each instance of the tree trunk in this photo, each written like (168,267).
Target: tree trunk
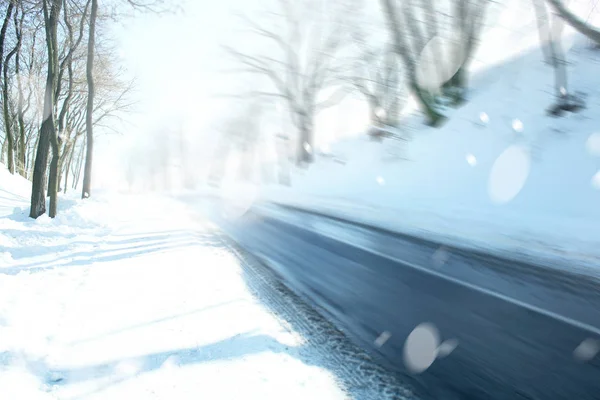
(456,86)
(48,128)
(87,173)
(20,99)
(38,188)
(551,33)
(468,19)
(64,155)
(543,27)
(559,62)
(219,160)
(9,152)
(9,11)
(9,140)
(283,160)
(21,152)
(31,158)
(77,176)
(305,142)
(3,151)
(8,126)
(53,178)
(374,105)
(434,117)
(69,162)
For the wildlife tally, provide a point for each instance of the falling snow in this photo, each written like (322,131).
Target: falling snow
(509,174)
(440,256)
(447,347)
(593,144)
(381,339)
(471,160)
(587,350)
(596,180)
(517,125)
(483,117)
(380,180)
(421,348)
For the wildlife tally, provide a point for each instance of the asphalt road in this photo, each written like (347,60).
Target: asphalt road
(517,328)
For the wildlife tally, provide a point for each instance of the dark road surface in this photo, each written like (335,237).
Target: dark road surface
(517,325)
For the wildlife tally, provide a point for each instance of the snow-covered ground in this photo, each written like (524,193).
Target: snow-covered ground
(500,175)
(131,297)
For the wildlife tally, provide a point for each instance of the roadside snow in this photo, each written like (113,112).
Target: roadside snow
(14,191)
(500,175)
(134,297)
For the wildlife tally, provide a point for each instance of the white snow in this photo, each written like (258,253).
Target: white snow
(517,125)
(14,191)
(593,144)
(484,118)
(423,346)
(131,297)
(500,175)
(587,350)
(471,159)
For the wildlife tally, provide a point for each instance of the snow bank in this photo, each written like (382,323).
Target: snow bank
(500,175)
(131,296)
(15,191)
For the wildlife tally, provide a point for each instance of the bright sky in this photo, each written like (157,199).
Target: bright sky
(173,59)
(178,62)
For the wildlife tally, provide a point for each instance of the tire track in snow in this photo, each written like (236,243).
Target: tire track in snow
(355,370)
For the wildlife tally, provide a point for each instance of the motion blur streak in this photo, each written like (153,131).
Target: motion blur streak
(479,327)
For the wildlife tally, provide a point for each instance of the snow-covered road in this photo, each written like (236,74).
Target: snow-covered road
(137,298)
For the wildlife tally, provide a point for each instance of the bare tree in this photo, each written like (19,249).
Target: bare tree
(48,136)
(377,76)
(401,47)
(579,24)
(7,115)
(9,10)
(303,63)
(417,42)
(21,106)
(468,18)
(240,133)
(30,89)
(155,6)
(79,164)
(69,85)
(550,31)
(89,127)
(112,99)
